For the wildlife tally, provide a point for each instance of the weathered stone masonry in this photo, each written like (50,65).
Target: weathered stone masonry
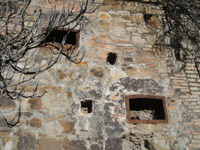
(56,122)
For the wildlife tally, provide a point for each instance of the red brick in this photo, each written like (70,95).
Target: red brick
(93,37)
(101,45)
(196,133)
(151,65)
(102,56)
(145,61)
(147,49)
(92,43)
(102,51)
(120,41)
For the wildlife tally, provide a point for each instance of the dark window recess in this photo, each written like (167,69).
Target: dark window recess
(146,109)
(111,58)
(147,18)
(148,145)
(58,35)
(152,108)
(86,106)
(177,55)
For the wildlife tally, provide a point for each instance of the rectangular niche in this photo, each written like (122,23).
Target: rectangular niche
(56,36)
(86,106)
(146,109)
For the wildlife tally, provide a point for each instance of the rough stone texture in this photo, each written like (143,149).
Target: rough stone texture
(98,72)
(67,126)
(35,122)
(113,144)
(79,144)
(35,103)
(7,143)
(24,140)
(55,121)
(49,144)
(7,103)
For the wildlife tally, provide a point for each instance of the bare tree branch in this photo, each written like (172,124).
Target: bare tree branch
(24,26)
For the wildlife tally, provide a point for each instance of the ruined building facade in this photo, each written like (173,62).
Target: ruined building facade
(90,105)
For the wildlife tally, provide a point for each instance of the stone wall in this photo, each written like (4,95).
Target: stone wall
(56,122)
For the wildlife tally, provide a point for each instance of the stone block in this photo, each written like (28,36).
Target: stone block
(3,122)
(128,59)
(137,18)
(117,73)
(52,128)
(104,16)
(35,122)
(49,100)
(66,143)
(120,33)
(68,94)
(81,64)
(27,114)
(24,140)
(116,7)
(155,22)
(45,51)
(113,144)
(74,145)
(78,145)
(7,143)
(162,66)
(122,20)
(62,75)
(138,40)
(103,25)
(4,132)
(6,102)
(105,7)
(49,144)
(132,29)
(35,103)
(130,70)
(152,39)
(68,127)
(94,147)
(142,29)
(161,143)
(97,72)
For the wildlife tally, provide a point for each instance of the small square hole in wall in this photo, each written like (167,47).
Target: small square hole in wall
(146,109)
(111,58)
(86,106)
(147,18)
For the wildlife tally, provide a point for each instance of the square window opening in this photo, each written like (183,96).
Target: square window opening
(86,106)
(56,37)
(146,109)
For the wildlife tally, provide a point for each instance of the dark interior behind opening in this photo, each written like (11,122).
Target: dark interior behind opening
(57,36)
(156,105)
(87,104)
(111,58)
